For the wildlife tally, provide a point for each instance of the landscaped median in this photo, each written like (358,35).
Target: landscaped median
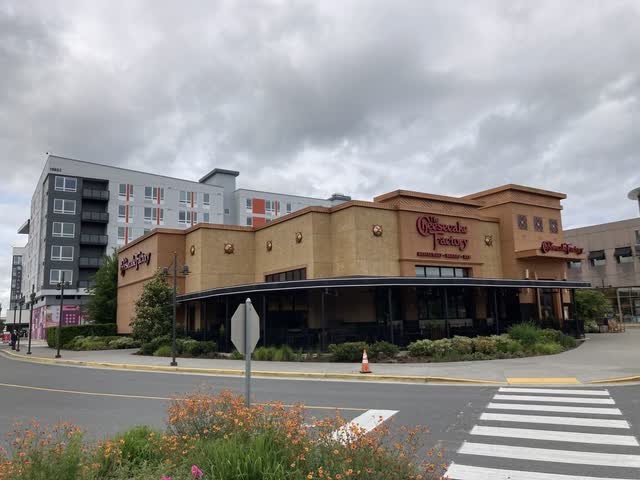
(216,437)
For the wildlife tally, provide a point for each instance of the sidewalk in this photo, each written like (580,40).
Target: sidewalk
(601,357)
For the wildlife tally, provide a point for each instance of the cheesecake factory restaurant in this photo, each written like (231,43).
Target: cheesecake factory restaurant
(406,266)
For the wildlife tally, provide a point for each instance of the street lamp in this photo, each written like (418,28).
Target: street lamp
(21,303)
(165,272)
(13,329)
(60,286)
(32,300)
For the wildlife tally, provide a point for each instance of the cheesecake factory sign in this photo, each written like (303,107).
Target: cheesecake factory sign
(443,235)
(138,259)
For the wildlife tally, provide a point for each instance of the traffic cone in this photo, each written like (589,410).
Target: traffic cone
(365,363)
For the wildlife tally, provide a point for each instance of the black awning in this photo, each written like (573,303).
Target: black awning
(622,252)
(596,255)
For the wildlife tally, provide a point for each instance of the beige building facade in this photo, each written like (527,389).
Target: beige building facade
(406,265)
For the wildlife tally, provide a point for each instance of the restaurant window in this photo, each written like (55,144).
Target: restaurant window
(575,265)
(597,258)
(623,255)
(288,276)
(441,272)
(553,225)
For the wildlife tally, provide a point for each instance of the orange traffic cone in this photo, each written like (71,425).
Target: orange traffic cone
(365,363)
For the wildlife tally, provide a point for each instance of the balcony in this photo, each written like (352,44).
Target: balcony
(86,283)
(98,217)
(94,194)
(90,262)
(91,239)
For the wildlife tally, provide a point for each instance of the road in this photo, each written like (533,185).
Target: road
(106,401)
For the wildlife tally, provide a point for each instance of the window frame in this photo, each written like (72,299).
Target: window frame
(206,199)
(64,187)
(248,204)
(63,211)
(60,270)
(62,234)
(60,257)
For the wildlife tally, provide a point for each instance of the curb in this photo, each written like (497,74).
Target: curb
(257,373)
(632,379)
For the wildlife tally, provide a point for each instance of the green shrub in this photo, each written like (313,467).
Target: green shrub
(236,355)
(68,333)
(507,345)
(123,342)
(150,347)
(284,354)
(263,354)
(568,341)
(485,345)
(380,350)
(191,347)
(136,448)
(526,333)
(550,335)
(591,326)
(462,345)
(347,352)
(163,351)
(549,348)
(442,347)
(208,347)
(421,348)
(98,343)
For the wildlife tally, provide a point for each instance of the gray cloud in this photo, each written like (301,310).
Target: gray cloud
(359,97)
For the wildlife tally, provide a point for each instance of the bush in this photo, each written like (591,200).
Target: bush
(549,348)
(236,355)
(347,352)
(380,350)
(136,448)
(568,342)
(421,348)
(507,345)
(485,345)
(591,326)
(123,342)
(263,354)
(284,354)
(150,347)
(69,332)
(462,345)
(163,351)
(549,335)
(526,333)
(442,347)
(191,347)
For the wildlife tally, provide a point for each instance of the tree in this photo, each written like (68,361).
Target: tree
(592,305)
(154,310)
(103,304)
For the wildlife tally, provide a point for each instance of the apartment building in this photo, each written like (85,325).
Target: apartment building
(81,211)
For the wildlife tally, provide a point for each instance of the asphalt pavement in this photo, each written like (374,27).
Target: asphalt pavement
(106,401)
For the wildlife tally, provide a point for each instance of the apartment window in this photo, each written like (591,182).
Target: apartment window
(62,253)
(575,265)
(249,204)
(66,184)
(125,189)
(187,197)
(62,229)
(441,272)
(597,258)
(288,276)
(56,276)
(249,221)
(152,193)
(121,235)
(186,217)
(638,240)
(206,199)
(151,215)
(205,217)
(269,206)
(17,259)
(623,255)
(64,206)
(227,211)
(288,206)
(146,230)
(538,224)
(122,213)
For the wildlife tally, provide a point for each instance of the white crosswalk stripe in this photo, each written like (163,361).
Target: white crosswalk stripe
(546,445)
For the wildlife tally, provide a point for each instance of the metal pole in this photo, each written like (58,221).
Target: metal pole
(619,304)
(264,320)
(60,314)
(390,313)
(13,329)
(564,319)
(173,320)
(19,323)
(247,355)
(496,313)
(446,311)
(323,340)
(32,298)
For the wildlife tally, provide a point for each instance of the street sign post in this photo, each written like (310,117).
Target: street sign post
(245,333)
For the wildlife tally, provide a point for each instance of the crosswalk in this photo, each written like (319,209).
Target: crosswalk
(549,434)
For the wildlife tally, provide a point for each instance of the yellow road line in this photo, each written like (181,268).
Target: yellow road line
(147,397)
(542,380)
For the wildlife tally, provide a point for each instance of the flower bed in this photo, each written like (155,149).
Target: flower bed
(218,437)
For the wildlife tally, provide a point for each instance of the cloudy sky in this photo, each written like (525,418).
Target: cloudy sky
(311,97)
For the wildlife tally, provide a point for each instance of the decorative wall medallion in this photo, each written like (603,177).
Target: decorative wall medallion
(488,240)
(522,222)
(228,248)
(192,250)
(298,237)
(538,224)
(269,245)
(377,230)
